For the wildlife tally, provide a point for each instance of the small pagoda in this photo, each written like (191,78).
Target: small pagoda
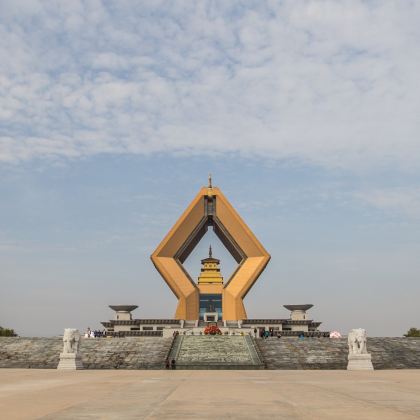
(210,285)
(210,270)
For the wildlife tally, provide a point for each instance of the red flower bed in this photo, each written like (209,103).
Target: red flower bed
(212,330)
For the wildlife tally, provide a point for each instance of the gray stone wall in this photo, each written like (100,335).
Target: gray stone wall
(98,353)
(151,352)
(326,353)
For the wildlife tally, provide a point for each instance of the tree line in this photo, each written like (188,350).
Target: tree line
(7,332)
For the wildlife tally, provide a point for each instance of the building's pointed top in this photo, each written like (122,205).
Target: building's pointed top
(210,252)
(210,185)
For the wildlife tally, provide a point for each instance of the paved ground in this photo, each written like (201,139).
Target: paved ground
(116,394)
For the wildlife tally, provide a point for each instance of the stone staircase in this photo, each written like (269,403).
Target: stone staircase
(216,352)
(326,353)
(209,352)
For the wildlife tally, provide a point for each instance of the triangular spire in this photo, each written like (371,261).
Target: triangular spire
(210,252)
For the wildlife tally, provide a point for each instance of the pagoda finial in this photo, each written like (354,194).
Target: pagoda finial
(210,185)
(210,252)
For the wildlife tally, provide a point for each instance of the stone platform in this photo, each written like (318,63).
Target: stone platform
(260,394)
(151,352)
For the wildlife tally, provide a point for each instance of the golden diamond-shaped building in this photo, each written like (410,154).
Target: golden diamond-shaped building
(210,208)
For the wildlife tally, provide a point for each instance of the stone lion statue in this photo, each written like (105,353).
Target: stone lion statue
(357,341)
(71,340)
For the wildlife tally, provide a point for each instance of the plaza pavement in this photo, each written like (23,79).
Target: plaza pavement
(115,394)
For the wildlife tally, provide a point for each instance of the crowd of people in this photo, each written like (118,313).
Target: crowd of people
(263,333)
(94,333)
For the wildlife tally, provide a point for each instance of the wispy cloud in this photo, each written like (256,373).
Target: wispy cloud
(334,83)
(397,201)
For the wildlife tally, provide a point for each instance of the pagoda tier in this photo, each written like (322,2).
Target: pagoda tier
(210,270)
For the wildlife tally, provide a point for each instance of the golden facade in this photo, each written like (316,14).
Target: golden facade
(210,271)
(210,208)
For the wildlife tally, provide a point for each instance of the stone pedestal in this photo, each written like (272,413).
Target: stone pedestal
(360,362)
(70,361)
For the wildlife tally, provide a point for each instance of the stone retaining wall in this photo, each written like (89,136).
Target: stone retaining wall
(326,353)
(97,353)
(151,352)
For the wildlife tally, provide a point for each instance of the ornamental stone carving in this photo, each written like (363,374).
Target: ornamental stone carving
(71,339)
(357,341)
(359,358)
(70,358)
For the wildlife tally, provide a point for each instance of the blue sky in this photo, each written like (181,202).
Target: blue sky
(113,113)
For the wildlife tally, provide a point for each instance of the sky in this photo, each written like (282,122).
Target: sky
(112,114)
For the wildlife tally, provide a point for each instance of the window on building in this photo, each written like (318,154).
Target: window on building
(210,303)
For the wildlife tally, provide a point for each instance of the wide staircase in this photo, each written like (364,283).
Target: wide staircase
(216,352)
(326,353)
(209,352)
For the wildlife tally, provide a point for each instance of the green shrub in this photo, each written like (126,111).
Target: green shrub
(7,332)
(412,332)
